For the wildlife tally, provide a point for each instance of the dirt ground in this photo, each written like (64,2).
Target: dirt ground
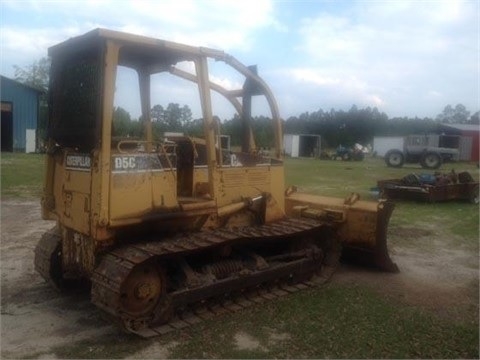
(35,318)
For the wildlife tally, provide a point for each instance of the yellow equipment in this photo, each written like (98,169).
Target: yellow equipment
(161,227)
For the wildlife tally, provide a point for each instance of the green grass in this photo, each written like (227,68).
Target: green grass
(22,174)
(331,322)
(334,322)
(339,178)
(458,218)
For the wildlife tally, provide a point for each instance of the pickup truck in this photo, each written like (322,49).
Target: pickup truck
(419,149)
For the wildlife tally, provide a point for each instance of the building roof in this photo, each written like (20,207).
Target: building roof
(3,78)
(463,127)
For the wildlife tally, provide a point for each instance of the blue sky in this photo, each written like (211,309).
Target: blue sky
(407,58)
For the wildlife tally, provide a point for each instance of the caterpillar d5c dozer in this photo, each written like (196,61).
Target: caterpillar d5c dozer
(168,231)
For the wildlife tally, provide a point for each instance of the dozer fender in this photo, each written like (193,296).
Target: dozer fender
(361,226)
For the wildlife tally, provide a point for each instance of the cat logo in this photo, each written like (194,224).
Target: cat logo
(80,162)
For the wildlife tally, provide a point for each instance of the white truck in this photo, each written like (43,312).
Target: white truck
(428,150)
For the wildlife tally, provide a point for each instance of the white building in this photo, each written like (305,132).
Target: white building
(302,145)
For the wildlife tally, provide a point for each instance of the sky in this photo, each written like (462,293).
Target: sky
(406,58)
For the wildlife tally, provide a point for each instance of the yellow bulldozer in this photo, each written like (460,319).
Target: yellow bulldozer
(165,229)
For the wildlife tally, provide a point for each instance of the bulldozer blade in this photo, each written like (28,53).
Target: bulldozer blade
(376,254)
(360,225)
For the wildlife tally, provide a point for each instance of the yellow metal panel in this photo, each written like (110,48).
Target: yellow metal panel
(130,194)
(238,182)
(78,181)
(201,174)
(101,174)
(76,214)
(361,217)
(328,202)
(277,185)
(201,67)
(233,177)
(164,191)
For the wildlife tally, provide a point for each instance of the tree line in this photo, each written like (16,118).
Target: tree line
(337,127)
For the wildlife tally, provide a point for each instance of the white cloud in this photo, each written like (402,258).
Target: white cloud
(402,51)
(27,42)
(215,23)
(376,100)
(313,76)
(226,83)
(405,57)
(218,24)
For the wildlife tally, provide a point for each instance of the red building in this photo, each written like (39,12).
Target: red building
(470,138)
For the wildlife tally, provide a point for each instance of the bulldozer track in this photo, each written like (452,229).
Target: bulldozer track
(116,266)
(246,300)
(46,256)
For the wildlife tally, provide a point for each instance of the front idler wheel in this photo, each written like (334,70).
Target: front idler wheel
(142,289)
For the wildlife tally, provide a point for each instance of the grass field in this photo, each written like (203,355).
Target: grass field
(22,174)
(336,321)
(333,322)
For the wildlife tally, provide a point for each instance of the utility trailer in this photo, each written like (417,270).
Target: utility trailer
(429,188)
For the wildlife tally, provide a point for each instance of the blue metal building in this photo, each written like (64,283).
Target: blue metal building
(19,104)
